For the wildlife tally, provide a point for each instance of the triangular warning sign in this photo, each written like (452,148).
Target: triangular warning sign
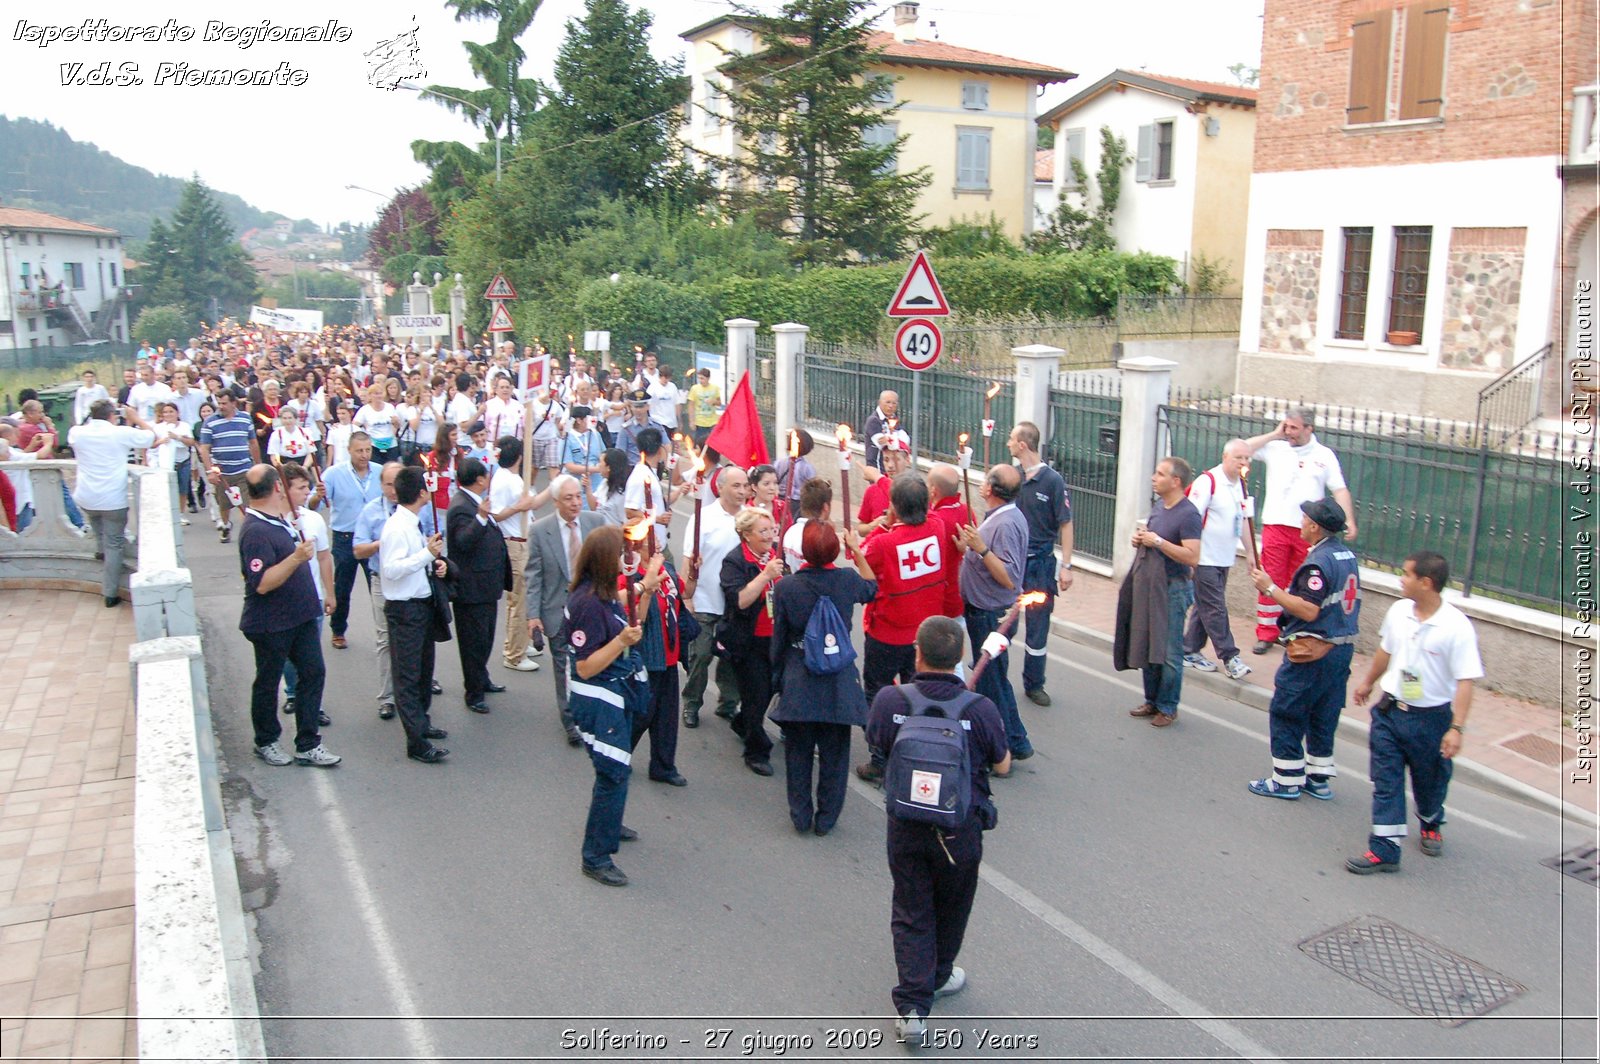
(919,295)
(500,321)
(500,288)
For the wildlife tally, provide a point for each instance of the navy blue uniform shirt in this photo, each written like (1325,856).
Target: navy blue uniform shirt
(1043,501)
(263,543)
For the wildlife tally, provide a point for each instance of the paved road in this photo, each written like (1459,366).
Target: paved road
(1137,902)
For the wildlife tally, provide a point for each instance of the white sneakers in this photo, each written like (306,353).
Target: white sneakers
(318,756)
(1199,661)
(953,985)
(525,665)
(273,754)
(910,1029)
(1236,667)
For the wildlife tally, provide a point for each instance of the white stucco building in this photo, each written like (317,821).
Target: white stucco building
(64,281)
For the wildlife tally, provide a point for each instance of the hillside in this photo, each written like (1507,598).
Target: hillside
(46,170)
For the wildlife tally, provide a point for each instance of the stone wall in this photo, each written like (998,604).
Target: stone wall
(1483,287)
(1289,290)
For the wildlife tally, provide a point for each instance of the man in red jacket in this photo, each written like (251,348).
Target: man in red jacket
(944,488)
(912,558)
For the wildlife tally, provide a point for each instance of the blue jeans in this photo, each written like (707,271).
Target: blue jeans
(994,684)
(25,517)
(290,675)
(345,565)
(74,514)
(1163,683)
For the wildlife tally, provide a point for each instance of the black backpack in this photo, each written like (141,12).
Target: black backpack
(929,775)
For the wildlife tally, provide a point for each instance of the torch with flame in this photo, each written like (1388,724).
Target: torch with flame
(964,454)
(633,561)
(844,478)
(697,470)
(988,420)
(1000,638)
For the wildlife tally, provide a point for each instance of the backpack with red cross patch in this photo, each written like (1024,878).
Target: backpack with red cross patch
(929,775)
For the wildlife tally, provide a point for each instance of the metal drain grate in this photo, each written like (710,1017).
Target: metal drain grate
(1579,862)
(1537,748)
(1412,972)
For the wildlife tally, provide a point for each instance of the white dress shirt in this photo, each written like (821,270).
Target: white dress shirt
(406,557)
(505,491)
(717,538)
(102,450)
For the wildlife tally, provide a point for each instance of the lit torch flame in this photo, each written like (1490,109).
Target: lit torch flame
(844,436)
(638,530)
(994,390)
(962,441)
(794,444)
(1033,598)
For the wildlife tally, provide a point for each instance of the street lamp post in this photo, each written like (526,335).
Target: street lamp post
(494,130)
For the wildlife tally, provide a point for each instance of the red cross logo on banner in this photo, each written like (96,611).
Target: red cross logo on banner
(1348,599)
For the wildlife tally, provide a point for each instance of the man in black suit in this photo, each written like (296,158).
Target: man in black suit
(479,552)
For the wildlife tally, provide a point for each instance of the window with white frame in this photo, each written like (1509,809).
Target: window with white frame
(1153,160)
(975,95)
(75,275)
(972,158)
(883,135)
(713,107)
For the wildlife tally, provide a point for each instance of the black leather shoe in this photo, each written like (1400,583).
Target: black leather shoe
(386,711)
(676,779)
(610,875)
(760,768)
(574,737)
(436,733)
(820,831)
(691,716)
(112,602)
(627,834)
(436,688)
(288,707)
(480,706)
(495,688)
(323,720)
(431,756)
(725,713)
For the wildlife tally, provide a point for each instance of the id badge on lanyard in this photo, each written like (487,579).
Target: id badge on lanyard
(1411,672)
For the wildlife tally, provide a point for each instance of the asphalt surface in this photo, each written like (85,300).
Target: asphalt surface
(1137,902)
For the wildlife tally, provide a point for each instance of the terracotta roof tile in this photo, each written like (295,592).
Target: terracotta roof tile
(1044,165)
(1207,88)
(22,218)
(938,53)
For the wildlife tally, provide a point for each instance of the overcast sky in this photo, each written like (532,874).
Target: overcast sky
(293,149)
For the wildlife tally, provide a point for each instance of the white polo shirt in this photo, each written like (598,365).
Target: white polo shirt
(717,538)
(1442,650)
(505,491)
(102,450)
(1221,505)
(1296,475)
(633,499)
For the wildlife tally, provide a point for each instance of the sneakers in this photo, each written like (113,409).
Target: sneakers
(317,756)
(224,533)
(691,716)
(1270,788)
(953,985)
(1199,662)
(1236,668)
(1432,842)
(1038,696)
(1143,709)
(1261,647)
(1367,863)
(273,754)
(910,1029)
(522,665)
(386,711)
(1320,789)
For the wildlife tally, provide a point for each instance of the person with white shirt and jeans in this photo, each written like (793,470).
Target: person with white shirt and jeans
(1219,494)
(509,503)
(101,493)
(313,529)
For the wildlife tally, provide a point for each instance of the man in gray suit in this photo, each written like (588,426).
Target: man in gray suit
(553,545)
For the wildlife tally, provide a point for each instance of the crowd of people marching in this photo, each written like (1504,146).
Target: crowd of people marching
(484,491)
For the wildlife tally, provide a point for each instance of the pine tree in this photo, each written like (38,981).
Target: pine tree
(206,259)
(611,117)
(802,104)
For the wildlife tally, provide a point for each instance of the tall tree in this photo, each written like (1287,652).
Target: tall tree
(803,102)
(611,117)
(196,262)
(508,103)
(408,226)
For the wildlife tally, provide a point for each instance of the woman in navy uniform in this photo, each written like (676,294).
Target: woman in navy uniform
(815,712)
(607,692)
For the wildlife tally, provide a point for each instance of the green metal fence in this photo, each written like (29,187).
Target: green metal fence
(1080,407)
(841,385)
(1414,481)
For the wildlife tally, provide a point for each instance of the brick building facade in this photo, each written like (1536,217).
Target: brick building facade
(1406,240)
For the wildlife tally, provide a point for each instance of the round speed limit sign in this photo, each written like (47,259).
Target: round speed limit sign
(918,343)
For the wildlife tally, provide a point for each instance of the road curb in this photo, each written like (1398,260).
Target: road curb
(1466,770)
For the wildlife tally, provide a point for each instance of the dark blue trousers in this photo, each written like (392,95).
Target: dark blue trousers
(1400,740)
(1039,575)
(994,684)
(1306,702)
(831,744)
(932,901)
(302,646)
(662,724)
(344,578)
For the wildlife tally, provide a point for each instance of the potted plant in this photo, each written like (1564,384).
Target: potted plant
(1404,338)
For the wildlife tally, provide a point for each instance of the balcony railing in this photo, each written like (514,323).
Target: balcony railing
(1585,146)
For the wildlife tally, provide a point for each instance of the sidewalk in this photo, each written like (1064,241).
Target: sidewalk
(1524,741)
(66,828)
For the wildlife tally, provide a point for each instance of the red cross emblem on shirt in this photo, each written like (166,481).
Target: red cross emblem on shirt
(1348,598)
(919,558)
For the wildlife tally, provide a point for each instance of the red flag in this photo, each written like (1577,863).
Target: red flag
(738,436)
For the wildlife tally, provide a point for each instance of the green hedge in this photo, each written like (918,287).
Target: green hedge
(847,303)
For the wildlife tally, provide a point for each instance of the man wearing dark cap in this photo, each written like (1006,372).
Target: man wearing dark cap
(1321,614)
(638,420)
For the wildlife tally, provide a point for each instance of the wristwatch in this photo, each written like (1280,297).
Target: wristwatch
(1457,728)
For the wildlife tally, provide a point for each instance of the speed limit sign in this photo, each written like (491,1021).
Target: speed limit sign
(918,344)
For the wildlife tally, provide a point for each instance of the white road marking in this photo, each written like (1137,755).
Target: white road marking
(1124,965)
(361,892)
(1260,736)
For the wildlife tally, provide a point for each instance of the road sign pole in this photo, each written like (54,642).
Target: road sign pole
(916,412)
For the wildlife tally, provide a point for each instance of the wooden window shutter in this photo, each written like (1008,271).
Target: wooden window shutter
(1422,64)
(1369,69)
(1141,165)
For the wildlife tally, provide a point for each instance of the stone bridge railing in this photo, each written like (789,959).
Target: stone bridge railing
(195,986)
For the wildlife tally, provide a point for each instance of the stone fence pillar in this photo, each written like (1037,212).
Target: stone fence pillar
(789,344)
(1146,385)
